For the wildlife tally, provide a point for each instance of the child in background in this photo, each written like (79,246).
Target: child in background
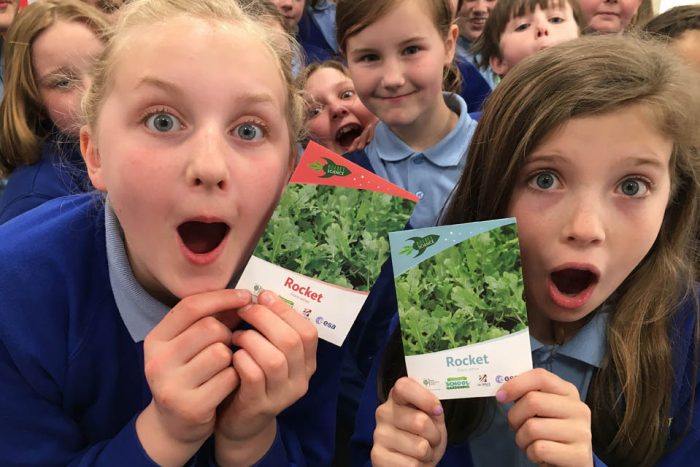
(471,19)
(292,11)
(51,48)
(517,29)
(608,16)
(119,339)
(397,53)
(335,117)
(681,25)
(317,26)
(8,11)
(590,145)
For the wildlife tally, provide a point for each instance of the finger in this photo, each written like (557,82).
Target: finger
(537,379)
(217,388)
(252,388)
(409,420)
(209,362)
(268,358)
(551,429)
(408,392)
(544,405)
(402,442)
(301,329)
(546,452)
(193,308)
(195,339)
(380,457)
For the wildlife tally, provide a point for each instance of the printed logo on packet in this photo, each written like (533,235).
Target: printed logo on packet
(420,244)
(459,382)
(330,169)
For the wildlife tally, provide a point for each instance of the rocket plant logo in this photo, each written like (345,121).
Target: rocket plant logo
(330,169)
(420,244)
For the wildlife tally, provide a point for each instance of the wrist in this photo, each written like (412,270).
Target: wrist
(244,452)
(160,445)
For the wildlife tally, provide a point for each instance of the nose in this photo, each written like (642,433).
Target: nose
(285,4)
(338,110)
(207,164)
(481,6)
(585,223)
(542,30)
(392,75)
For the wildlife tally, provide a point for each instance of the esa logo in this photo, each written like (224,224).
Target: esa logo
(322,322)
(503,379)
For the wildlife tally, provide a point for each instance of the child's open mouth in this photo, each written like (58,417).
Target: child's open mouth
(572,287)
(347,134)
(201,240)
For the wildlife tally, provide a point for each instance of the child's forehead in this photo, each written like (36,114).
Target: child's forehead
(523,7)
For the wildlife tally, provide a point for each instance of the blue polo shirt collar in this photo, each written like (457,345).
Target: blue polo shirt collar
(587,346)
(448,152)
(139,311)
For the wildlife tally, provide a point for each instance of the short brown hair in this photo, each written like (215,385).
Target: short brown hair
(674,22)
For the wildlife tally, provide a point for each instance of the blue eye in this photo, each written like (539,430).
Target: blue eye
(162,122)
(634,187)
(250,131)
(544,181)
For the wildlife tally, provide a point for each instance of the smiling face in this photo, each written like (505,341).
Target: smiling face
(62,55)
(8,10)
(472,18)
(536,30)
(589,203)
(335,115)
(192,146)
(397,66)
(609,15)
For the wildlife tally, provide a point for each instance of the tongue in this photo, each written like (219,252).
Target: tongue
(202,237)
(572,281)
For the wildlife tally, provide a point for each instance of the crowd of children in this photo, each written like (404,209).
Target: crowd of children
(145,144)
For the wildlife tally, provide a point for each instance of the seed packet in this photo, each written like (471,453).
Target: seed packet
(461,310)
(327,240)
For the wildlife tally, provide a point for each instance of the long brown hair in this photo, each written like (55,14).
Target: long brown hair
(353,16)
(630,394)
(24,122)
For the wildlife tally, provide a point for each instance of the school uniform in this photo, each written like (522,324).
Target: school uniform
(575,361)
(430,174)
(72,317)
(464,53)
(317,27)
(474,89)
(60,171)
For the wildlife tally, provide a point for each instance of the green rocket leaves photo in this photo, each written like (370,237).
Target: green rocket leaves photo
(468,293)
(332,233)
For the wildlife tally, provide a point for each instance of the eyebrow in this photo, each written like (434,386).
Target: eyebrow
(635,160)
(246,97)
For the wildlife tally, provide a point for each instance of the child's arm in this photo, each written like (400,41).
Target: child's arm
(275,361)
(188,368)
(551,423)
(410,427)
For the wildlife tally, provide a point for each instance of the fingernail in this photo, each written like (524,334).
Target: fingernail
(501,396)
(437,411)
(266,298)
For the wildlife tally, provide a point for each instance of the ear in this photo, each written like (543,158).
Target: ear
(91,156)
(499,66)
(451,44)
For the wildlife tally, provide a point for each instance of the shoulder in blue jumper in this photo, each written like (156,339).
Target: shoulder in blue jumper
(60,172)
(72,377)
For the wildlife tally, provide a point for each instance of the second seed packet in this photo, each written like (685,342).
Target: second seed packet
(461,310)
(327,240)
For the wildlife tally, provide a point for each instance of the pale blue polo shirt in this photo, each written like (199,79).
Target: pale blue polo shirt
(430,175)
(575,361)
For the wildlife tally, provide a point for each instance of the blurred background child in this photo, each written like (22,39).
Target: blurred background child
(8,11)
(51,48)
(317,26)
(471,20)
(335,117)
(608,16)
(681,25)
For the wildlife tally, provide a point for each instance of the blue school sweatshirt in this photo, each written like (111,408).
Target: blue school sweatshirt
(72,378)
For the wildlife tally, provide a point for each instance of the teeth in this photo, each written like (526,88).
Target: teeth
(347,129)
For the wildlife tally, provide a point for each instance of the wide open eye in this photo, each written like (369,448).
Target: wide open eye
(544,181)
(250,131)
(634,187)
(163,122)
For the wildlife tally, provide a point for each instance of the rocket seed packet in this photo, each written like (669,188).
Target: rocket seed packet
(327,240)
(461,310)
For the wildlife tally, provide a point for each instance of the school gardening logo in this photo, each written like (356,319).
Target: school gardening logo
(457,382)
(420,244)
(330,169)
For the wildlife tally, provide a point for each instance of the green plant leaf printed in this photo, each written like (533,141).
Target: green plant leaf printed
(420,244)
(316,166)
